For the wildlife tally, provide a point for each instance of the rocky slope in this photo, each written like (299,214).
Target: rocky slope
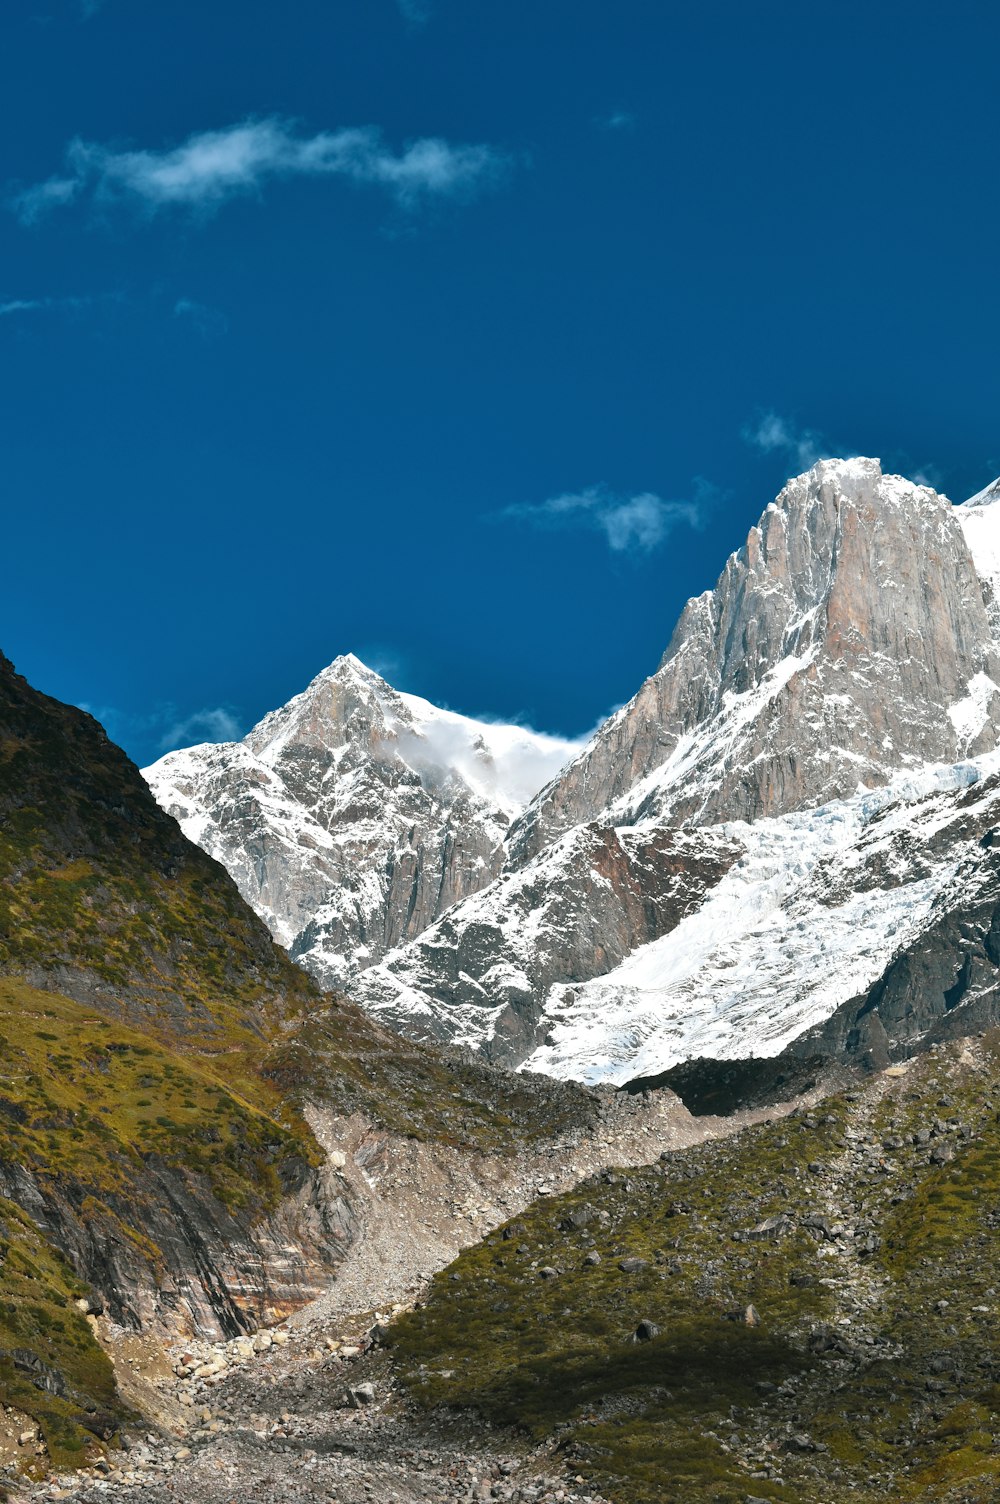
(803,1312)
(354,816)
(312,1407)
(779,813)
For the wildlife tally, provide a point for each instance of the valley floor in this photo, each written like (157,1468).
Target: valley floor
(273,1419)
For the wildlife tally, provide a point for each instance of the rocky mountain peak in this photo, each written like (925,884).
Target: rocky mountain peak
(327,716)
(849,637)
(355,814)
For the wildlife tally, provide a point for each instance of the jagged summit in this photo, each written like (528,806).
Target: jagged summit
(848,638)
(502,764)
(354,815)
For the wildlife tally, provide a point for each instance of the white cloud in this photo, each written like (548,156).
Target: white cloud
(215,725)
(36,305)
(414,12)
(772,433)
(20,305)
(502,761)
(633,524)
(617,120)
(209,322)
(212,167)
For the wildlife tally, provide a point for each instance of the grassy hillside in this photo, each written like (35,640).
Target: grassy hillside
(849,1352)
(91,1101)
(138,998)
(100,891)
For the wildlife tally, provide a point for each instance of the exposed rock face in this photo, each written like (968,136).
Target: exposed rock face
(198,1268)
(354,816)
(850,643)
(833,651)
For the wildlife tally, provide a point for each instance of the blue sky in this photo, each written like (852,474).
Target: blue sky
(466,336)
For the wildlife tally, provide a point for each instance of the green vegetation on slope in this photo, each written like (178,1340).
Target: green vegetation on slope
(88,1101)
(100,889)
(341,1057)
(870,1363)
(51,1368)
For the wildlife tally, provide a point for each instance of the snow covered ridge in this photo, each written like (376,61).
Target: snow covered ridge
(979,519)
(352,816)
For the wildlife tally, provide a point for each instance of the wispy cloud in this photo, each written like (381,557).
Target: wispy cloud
(212,167)
(208,322)
(772,433)
(41,305)
(165,726)
(20,305)
(217,724)
(630,524)
(617,120)
(414,12)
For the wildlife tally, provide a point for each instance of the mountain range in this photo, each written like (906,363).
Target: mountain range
(778,862)
(791,816)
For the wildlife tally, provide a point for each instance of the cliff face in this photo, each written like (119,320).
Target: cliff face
(355,816)
(173,1257)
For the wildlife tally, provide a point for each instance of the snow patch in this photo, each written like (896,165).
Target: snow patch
(979,519)
(970,714)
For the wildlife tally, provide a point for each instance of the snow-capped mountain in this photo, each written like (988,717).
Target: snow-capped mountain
(804,789)
(354,816)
